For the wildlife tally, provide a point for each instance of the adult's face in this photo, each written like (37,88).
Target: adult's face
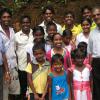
(69,19)
(5,19)
(87,13)
(96,16)
(26,24)
(48,15)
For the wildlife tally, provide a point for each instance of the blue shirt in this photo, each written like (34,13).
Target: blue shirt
(2,50)
(60,89)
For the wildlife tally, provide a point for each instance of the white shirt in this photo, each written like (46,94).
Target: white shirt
(94,43)
(9,46)
(81,38)
(21,41)
(59,28)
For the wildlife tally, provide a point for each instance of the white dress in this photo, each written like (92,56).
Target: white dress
(81,84)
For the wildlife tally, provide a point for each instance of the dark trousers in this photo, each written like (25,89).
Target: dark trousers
(96,78)
(14,97)
(1,82)
(40,95)
(23,84)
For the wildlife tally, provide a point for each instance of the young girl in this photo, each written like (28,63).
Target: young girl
(67,37)
(84,36)
(80,76)
(57,79)
(51,29)
(58,49)
(37,72)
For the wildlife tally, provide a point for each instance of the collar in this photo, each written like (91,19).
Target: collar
(22,34)
(46,63)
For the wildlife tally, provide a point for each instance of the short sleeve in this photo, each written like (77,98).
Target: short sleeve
(90,45)
(29,68)
(2,46)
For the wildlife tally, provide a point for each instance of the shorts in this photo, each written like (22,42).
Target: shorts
(12,88)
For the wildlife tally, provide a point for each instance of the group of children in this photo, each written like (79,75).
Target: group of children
(57,69)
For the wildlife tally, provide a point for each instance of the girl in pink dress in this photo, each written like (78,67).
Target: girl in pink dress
(80,78)
(58,49)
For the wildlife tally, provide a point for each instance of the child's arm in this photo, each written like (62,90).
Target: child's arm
(28,58)
(69,61)
(70,80)
(49,87)
(90,59)
(30,82)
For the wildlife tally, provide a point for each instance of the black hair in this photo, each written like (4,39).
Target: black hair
(77,53)
(86,19)
(82,44)
(25,16)
(67,32)
(96,7)
(5,10)
(48,7)
(38,46)
(57,57)
(50,24)
(55,35)
(38,28)
(69,12)
(86,7)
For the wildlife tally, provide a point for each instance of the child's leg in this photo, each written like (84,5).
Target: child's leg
(47,97)
(31,96)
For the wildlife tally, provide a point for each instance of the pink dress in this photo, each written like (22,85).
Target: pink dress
(81,83)
(65,54)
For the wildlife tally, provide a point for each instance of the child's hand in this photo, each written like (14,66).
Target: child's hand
(36,97)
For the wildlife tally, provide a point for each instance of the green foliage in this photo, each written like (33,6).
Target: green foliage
(14,5)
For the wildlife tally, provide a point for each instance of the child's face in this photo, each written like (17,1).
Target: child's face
(79,61)
(86,27)
(39,55)
(66,40)
(51,31)
(57,41)
(57,66)
(38,36)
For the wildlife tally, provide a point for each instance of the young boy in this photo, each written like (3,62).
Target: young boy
(37,73)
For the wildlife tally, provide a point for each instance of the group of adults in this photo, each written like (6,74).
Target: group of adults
(13,56)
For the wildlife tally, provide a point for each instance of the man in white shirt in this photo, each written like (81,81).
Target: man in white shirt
(22,38)
(94,53)
(48,13)
(7,33)
(4,70)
